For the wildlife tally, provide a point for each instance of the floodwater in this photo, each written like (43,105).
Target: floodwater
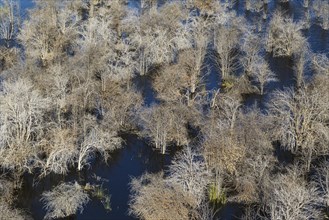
(137,156)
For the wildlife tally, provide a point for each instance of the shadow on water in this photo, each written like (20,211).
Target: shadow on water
(211,73)
(318,39)
(144,84)
(230,211)
(254,100)
(284,157)
(283,69)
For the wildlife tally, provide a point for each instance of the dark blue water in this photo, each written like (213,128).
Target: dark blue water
(136,156)
(25,5)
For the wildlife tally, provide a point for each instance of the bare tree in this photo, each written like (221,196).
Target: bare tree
(301,59)
(189,171)
(261,73)
(8,212)
(156,34)
(321,180)
(118,105)
(171,84)
(306,3)
(251,45)
(223,152)
(96,141)
(284,36)
(258,6)
(321,8)
(165,125)
(64,200)
(147,4)
(209,8)
(61,153)
(226,46)
(292,198)
(193,60)
(9,19)
(223,155)
(174,84)
(253,172)
(50,32)
(321,64)
(300,121)
(21,124)
(8,199)
(104,53)
(226,109)
(8,57)
(153,198)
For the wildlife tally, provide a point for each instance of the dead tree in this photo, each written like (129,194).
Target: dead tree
(261,73)
(226,46)
(165,125)
(21,124)
(9,19)
(321,9)
(189,171)
(291,197)
(153,198)
(284,36)
(300,121)
(64,200)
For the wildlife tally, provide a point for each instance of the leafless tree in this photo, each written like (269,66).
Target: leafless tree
(226,46)
(321,64)
(252,175)
(205,211)
(300,121)
(147,4)
(96,141)
(189,171)
(156,34)
(8,57)
(50,32)
(258,6)
(291,197)
(284,36)
(301,60)
(61,153)
(7,212)
(174,84)
(153,198)
(171,84)
(321,8)
(251,45)
(118,105)
(193,60)
(226,109)
(8,198)
(209,8)
(64,200)
(9,19)
(223,152)
(165,125)
(104,53)
(321,180)
(21,124)
(261,73)
(306,3)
